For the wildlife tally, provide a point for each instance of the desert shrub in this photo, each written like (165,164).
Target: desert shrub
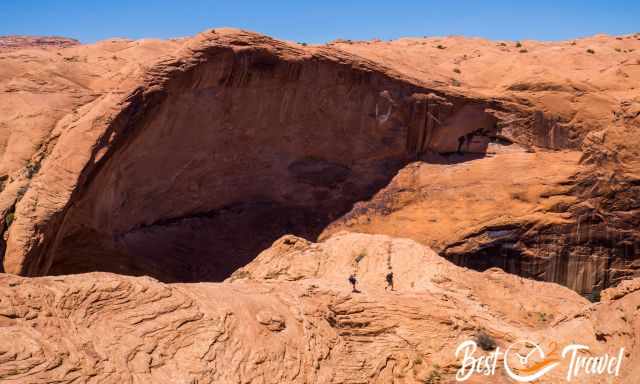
(32,169)
(9,219)
(456,70)
(303,44)
(455,83)
(523,51)
(485,341)
(594,296)
(361,255)
(518,44)
(591,51)
(617,49)
(440,46)
(435,377)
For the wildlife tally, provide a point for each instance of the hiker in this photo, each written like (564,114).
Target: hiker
(470,137)
(352,280)
(389,279)
(460,144)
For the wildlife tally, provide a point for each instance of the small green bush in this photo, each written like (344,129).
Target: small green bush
(594,296)
(435,377)
(9,219)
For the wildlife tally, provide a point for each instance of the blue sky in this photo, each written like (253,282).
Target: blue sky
(321,20)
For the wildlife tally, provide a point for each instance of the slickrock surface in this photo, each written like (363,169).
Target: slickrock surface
(183,159)
(290,316)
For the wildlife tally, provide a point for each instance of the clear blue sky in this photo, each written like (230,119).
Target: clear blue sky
(321,20)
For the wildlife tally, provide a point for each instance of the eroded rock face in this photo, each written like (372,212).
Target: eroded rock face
(550,223)
(183,159)
(569,217)
(236,134)
(290,316)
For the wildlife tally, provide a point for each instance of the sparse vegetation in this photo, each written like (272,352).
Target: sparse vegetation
(32,169)
(456,70)
(435,377)
(440,46)
(518,44)
(573,43)
(9,219)
(617,49)
(523,51)
(361,255)
(594,296)
(542,316)
(455,83)
(486,342)
(303,43)
(591,51)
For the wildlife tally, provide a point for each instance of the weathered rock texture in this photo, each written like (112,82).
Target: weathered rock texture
(234,134)
(20,42)
(570,216)
(182,159)
(290,316)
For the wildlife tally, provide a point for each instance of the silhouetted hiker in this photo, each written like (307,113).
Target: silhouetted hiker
(460,144)
(389,279)
(352,280)
(470,137)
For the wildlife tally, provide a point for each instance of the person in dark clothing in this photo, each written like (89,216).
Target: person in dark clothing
(352,280)
(469,140)
(460,144)
(389,279)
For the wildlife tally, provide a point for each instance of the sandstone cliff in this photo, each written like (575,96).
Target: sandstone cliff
(159,157)
(184,159)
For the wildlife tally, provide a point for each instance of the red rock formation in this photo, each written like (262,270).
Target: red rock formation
(159,157)
(237,134)
(184,159)
(289,316)
(21,42)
